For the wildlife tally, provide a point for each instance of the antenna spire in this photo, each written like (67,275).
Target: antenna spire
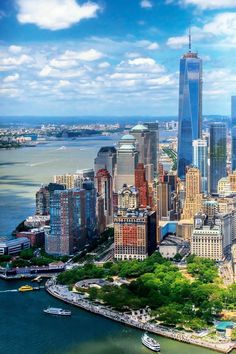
(190,40)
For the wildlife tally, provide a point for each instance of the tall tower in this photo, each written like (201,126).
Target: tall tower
(217,154)
(193,199)
(190,108)
(104,188)
(200,160)
(233,132)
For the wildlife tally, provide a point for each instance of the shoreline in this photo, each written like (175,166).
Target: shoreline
(62,293)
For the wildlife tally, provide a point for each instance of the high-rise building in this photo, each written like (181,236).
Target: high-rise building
(103,182)
(207,242)
(43,197)
(106,159)
(153,127)
(218,154)
(200,160)
(72,219)
(42,201)
(144,137)
(193,197)
(233,132)
(127,159)
(69,180)
(165,205)
(135,235)
(141,185)
(190,108)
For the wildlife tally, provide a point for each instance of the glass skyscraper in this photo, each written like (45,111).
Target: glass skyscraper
(200,160)
(190,108)
(218,154)
(233,132)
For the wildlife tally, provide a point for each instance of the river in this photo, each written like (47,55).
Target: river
(24,327)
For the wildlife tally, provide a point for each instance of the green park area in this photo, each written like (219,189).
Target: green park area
(190,299)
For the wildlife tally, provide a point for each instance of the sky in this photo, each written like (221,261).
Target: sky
(112,57)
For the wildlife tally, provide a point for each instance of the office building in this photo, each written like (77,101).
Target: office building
(73,219)
(207,242)
(106,159)
(141,185)
(153,127)
(200,160)
(193,196)
(42,201)
(144,138)
(135,235)
(190,108)
(224,187)
(217,154)
(127,159)
(13,247)
(103,182)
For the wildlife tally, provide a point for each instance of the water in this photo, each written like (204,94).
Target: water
(23,170)
(24,327)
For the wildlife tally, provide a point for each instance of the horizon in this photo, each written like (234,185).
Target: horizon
(77,63)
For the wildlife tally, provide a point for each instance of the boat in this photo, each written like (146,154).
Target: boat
(25,288)
(150,343)
(57,311)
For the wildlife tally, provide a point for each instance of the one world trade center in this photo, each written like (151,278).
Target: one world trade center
(190,108)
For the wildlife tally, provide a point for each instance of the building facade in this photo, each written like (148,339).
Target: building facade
(218,154)
(135,235)
(233,132)
(200,160)
(190,109)
(106,159)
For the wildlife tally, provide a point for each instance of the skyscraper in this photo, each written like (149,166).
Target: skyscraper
(190,108)
(233,132)
(103,181)
(127,159)
(193,198)
(106,159)
(217,154)
(200,160)
(154,141)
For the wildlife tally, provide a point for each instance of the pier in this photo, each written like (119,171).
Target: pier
(62,293)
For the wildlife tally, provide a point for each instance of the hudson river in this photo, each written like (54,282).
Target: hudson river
(24,327)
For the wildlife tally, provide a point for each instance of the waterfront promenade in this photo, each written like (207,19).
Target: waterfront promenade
(62,293)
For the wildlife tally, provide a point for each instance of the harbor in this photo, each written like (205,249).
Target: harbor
(62,293)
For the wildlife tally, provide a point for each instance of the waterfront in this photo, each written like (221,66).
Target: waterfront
(24,328)
(23,170)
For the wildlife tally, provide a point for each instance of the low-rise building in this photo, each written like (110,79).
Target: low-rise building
(15,246)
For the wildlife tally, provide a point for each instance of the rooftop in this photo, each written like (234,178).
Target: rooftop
(139,127)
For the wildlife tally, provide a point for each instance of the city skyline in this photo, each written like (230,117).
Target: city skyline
(82,64)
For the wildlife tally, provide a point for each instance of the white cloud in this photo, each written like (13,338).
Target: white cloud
(177,42)
(104,65)
(11,78)
(142,61)
(88,55)
(153,46)
(7,62)
(48,71)
(211,4)
(55,14)
(15,49)
(146,4)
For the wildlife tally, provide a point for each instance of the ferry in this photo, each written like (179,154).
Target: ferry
(25,288)
(150,343)
(57,311)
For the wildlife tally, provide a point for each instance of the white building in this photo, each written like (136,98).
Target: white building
(207,242)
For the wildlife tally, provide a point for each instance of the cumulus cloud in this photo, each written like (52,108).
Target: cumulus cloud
(177,42)
(153,46)
(55,14)
(211,4)
(104,65)
(11,78)
(15,49)
(146,4)
(88,55)
(11,62)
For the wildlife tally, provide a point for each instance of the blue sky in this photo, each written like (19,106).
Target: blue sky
(112,57)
